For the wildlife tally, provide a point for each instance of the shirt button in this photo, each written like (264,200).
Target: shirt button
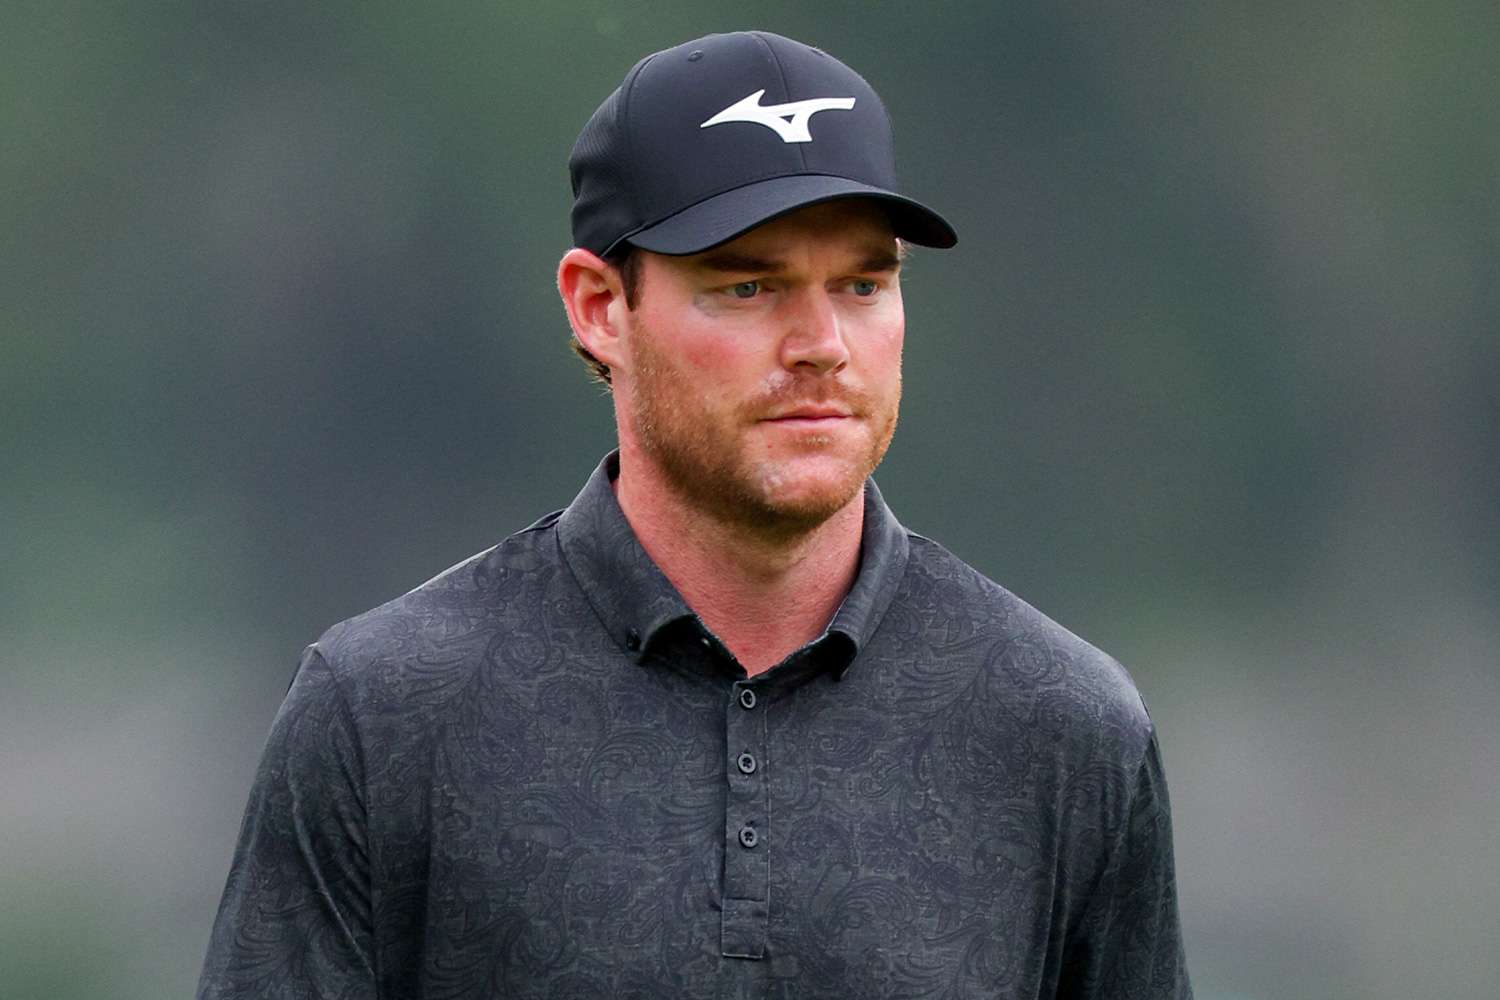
(632,640)
(746,763)
(747,698)
(748,836)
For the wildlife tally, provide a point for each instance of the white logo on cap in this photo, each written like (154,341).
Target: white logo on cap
(787,120)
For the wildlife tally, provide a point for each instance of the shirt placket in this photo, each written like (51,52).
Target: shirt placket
(747,827)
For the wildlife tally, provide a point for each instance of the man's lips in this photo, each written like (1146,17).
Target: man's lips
(811,414)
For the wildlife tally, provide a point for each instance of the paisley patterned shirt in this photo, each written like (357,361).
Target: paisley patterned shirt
(538,775)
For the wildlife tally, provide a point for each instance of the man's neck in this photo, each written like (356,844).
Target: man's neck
(763,597)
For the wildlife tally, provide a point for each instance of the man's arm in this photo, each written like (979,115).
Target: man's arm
(1128,946)
(295,919)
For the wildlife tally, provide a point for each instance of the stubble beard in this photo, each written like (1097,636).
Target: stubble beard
(701,454)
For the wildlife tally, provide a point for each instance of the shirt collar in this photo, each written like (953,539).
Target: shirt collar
(635,600)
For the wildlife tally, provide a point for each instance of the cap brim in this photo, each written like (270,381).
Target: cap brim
(724,216)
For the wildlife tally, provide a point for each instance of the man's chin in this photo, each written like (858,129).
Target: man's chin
(802,494)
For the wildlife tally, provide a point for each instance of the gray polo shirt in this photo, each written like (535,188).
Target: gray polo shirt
(539,775)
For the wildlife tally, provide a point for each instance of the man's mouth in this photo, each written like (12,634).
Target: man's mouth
(811,415)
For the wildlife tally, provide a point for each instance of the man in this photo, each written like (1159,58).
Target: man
(722,727)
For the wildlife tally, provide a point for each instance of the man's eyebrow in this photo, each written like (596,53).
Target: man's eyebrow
(880,260)
(740,263)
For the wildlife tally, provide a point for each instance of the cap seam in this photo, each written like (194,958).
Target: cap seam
(873,193)
(753,180)
(890,139)
(626,101)
(786,88)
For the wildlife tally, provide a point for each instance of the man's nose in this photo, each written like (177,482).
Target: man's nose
(814,337)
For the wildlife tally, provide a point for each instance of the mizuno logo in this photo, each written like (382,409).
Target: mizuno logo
(787,120)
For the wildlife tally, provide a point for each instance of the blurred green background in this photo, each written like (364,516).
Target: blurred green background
(1212,377)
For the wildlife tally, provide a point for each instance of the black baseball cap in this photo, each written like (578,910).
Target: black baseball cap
(711,138)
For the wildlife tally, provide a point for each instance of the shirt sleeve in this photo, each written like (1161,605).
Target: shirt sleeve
(1128,946)
(295,919)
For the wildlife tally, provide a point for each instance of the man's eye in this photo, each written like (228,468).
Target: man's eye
(865,287)
(745,289)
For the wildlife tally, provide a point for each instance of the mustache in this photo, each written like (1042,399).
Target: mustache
(789,392)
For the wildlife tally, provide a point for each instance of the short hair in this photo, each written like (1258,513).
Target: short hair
(631,273)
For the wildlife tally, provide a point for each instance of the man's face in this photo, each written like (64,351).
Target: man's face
(764,376)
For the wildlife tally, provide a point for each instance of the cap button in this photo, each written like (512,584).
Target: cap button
(695,55)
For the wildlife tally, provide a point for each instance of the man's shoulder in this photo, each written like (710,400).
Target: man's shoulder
(450,615)
(1016,649)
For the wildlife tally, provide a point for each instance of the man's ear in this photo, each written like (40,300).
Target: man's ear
(594,295)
